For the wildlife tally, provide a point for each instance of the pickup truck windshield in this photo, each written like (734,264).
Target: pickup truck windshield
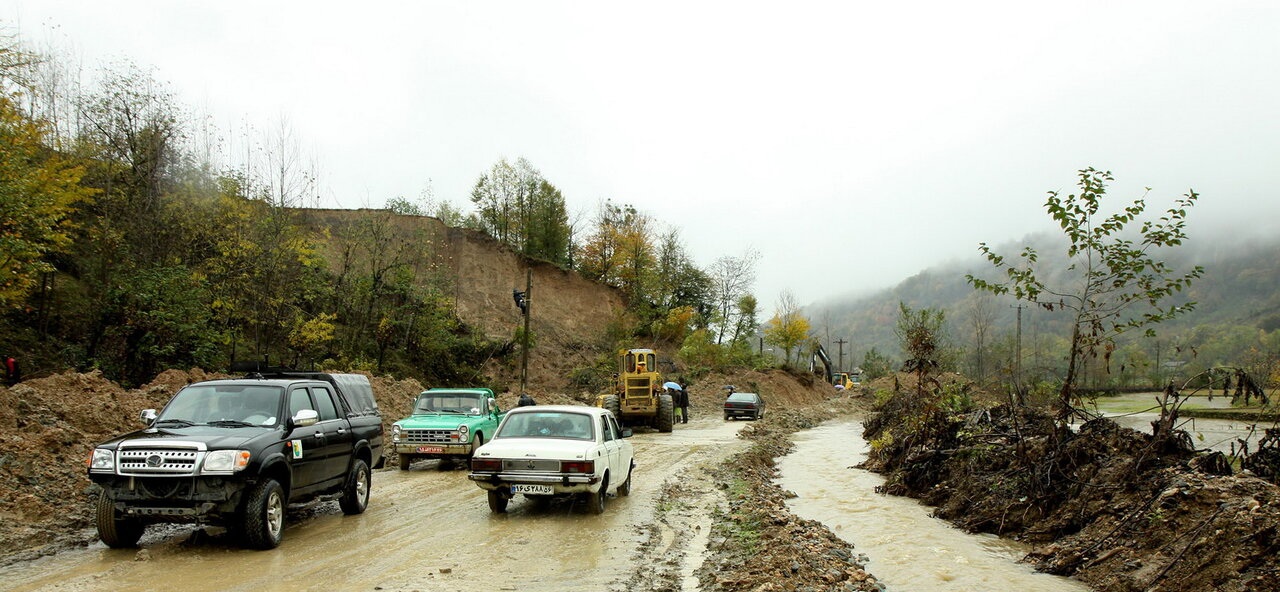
(224,405)
(467,403)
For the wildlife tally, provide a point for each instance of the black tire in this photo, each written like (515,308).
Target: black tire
(726,417)
(614,405)
(625,488)
(497,502)
(263,518)
(476,442)
(595,501)
(117,533)
(355,496)
(404,461)
(666,413)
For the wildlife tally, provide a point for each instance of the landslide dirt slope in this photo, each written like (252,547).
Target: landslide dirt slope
(569,313)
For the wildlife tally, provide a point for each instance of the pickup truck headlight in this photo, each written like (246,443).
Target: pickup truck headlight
(102,460)
(462,429)
(395,432)
(225,461)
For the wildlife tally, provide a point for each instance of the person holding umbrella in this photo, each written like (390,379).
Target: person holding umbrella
(680,397)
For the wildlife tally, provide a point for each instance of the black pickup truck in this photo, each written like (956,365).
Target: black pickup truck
(237,452)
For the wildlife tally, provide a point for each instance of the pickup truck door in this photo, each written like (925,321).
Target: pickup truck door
(325,447)
(337,439)
(304,447)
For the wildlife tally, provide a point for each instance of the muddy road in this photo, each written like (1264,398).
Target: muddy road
(431,529)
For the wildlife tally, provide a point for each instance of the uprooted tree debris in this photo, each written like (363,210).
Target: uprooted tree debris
(1118,509)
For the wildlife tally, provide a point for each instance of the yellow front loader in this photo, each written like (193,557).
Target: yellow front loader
(638,397)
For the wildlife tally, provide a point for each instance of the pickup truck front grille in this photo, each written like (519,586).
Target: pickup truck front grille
(429,437)
(159,461)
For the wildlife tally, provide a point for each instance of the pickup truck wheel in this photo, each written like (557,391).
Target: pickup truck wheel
(117,533)
(625,488)
(355,496)
(404,460)
(497,502)
(263,520)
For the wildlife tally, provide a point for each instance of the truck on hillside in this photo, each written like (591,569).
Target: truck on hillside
(237,452)
(446,424)
(638,397)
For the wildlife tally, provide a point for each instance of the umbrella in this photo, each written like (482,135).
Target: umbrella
(675,386)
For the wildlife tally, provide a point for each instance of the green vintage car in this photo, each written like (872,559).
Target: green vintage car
(446,424)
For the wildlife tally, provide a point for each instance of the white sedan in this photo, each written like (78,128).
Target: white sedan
(543,451)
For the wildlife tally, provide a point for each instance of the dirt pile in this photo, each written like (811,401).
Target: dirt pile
(1113,507)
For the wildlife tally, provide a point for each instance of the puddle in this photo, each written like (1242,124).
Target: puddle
(906,547)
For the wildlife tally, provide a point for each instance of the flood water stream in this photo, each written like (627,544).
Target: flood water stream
(1213,434)
(907,548)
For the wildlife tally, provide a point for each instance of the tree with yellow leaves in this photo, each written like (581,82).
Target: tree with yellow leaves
(788,328)
(37,190)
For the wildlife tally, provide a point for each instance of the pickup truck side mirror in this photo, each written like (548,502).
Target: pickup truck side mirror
(493,405)
(304,418)
(626,432)
(147,416)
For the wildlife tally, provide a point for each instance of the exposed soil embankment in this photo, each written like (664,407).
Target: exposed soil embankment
(1116,508)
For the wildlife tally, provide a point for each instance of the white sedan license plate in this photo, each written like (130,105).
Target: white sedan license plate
(536,489)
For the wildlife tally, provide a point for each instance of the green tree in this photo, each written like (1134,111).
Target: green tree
(1113,283)
(519,207)
(38,189)
(920,335)
(875,365)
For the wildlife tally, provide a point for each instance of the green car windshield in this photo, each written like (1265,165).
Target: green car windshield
(445,402)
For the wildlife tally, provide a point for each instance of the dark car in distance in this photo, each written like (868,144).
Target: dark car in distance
(744,405)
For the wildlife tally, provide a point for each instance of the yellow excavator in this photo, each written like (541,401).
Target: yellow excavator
(638,397)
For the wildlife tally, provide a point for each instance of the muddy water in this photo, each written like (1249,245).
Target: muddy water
(1213,434)
(907,548)
(426,529)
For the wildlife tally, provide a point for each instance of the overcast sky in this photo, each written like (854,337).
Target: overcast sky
(852,144)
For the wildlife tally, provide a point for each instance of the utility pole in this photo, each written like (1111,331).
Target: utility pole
(841,343)
(524,356)
(522,302)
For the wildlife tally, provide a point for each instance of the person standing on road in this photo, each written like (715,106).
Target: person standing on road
(682,401)
(526,400)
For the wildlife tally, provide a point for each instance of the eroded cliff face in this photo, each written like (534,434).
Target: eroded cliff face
(569,314)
